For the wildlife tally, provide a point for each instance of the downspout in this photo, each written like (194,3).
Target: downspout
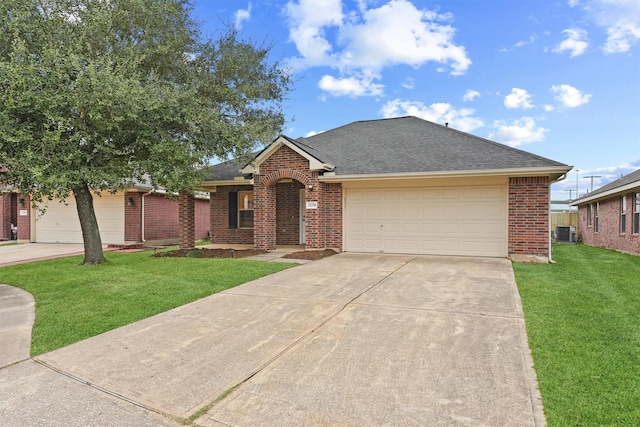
(142,209)
(562,178)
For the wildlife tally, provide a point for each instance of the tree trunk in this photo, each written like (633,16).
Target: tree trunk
(90,232)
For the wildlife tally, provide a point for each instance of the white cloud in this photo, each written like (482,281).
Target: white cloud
(409,83)
(518,132)
(569,96)
(242,15)
(307,20)
(532,38)
(351,86)
(518,98)
(440,112)
(576,42)
(366,40)
(548,108)
(621,21)
(470,95)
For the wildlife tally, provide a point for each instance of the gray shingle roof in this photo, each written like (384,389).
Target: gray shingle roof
(410,145)
(633,177)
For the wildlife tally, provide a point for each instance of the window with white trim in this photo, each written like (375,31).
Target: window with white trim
(245,209)
(623,214)
(589,215)
(636,213)
(595,217)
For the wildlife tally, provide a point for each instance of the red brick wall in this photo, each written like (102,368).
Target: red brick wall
(161,218)
(219,218)
(5,216)
(133,217)
(283,164)
(24,222)
(332,216)
(277,206)
(608,234)
(187,220)
(529,216)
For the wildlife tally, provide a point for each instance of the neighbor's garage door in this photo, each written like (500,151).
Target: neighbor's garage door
(60,223)
(470,220)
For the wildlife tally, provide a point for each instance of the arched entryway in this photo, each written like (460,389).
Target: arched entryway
(281,216)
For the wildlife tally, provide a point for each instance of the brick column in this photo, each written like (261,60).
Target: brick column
(5,216)
(24,221)
(187,220)
(133,217)
(313,217)
(529,217)
(264,215)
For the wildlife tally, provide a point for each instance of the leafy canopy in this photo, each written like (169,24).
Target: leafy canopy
(96,92)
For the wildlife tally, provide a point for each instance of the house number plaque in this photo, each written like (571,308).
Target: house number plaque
(312,205)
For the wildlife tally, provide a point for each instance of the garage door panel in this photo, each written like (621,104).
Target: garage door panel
(443,220)
(60,223)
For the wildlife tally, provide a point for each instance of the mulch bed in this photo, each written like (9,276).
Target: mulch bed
(241,253)
(311,255)
(210,253)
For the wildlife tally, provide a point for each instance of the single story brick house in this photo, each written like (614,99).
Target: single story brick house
(137,215)
(402,185)
(610,215)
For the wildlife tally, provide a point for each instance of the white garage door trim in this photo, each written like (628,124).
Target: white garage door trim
(448,220)
(60,223)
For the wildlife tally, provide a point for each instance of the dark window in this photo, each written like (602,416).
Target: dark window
(595,217)
(623,214)
(636,213)
(589,215)
(233,209)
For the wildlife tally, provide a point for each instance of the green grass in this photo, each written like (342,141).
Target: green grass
(74,303)
(583,321)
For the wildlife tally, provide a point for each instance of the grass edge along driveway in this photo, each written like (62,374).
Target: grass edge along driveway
(583,321)
(74,303)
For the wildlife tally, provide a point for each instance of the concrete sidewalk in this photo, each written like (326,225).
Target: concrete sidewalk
(349,340)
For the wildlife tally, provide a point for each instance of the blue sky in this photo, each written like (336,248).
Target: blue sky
(560,79)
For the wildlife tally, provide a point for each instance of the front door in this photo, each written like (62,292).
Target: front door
(303,210)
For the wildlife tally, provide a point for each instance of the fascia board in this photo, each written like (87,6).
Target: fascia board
(211,185)
(558,171)
(607,194)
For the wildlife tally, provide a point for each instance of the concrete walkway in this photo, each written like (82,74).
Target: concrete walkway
(17,314)
(349,340)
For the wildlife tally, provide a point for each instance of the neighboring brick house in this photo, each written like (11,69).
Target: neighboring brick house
(402,185)
(137,215)
(610,215)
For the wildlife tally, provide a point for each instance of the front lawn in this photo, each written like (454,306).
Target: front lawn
(74,303)
(583,321)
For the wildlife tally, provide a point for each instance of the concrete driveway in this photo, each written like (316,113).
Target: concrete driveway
(350,340)
(28,252)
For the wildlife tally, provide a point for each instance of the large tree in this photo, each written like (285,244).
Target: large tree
(97,93)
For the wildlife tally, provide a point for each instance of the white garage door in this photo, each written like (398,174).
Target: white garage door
(435,221)
(60,223)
